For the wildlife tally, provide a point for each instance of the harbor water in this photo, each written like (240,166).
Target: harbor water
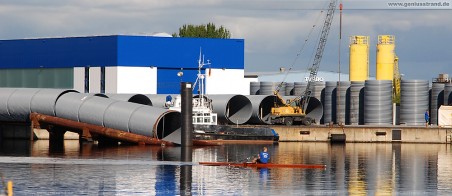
(35,168)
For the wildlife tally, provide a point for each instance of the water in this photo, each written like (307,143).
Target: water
(352,169)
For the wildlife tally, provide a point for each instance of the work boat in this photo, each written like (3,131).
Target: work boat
(202,106)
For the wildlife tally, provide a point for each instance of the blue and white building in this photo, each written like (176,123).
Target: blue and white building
(122,64)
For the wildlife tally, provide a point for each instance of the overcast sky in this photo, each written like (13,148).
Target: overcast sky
(274,30)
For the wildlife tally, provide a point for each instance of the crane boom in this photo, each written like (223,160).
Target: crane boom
(319,53)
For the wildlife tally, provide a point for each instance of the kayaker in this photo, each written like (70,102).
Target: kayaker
(262,157)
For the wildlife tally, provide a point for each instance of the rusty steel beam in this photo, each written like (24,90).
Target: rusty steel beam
(41,119)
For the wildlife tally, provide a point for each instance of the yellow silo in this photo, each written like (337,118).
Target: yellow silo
(359,58)
(385,57)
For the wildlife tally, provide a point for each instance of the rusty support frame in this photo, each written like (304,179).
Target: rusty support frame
(86,130)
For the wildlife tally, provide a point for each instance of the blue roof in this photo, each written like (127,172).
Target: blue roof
(120,50)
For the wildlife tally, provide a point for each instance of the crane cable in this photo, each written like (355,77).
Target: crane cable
(301,49)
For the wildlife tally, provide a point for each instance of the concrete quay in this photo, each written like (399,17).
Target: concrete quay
(365,133)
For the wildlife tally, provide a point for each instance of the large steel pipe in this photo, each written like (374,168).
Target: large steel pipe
(343,102)
(68,105)
(254,88)
(357,102)
(262,105)
(154,121)
(436,100)
(44,101)
(329,103)
(93,109)
(448,94)
(5,93)
(378,102)
(19,104)
(133,98)
(413,101)
(232,109)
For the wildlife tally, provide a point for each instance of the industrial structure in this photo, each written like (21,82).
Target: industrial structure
(385,57)
(359,58)
(121,63)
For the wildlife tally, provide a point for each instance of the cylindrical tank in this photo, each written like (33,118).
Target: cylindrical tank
(378,102)
(448,94)
(254,88)
(359,58)
(266,88)
(289,88)
(385,57)
(413,101)
(357,103)
(329,103)
(317,89)
(299,88)
(436,101)
(343,102)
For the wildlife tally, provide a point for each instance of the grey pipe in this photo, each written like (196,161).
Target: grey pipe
(254,88)
(448,94)
(232,109)
(329,103)
(5,93)
(44,101)
(357,102)
(289,88)
(133,98)
(343,102)
(93,109)
(68,105)
(154,122)
(378,102)
(413,101)
(436,100)
(262,105)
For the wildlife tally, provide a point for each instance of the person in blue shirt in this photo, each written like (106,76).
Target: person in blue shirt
(263,156)
(427,117)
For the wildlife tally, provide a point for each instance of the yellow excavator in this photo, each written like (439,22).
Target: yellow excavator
(294,111)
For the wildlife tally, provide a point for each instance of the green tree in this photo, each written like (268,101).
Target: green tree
(204,31)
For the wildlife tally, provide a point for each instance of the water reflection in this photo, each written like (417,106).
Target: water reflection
(371,169)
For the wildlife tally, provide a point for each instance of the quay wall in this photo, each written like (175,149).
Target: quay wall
(403,134)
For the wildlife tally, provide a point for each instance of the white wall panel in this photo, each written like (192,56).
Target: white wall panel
(111,80)
(79,79)
(94,79)
(137,80)
(227,81)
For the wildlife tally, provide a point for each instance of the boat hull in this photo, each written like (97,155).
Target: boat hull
(264,165)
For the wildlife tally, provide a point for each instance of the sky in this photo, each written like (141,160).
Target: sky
(274,30)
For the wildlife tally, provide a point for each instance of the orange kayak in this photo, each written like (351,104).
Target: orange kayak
(264,165)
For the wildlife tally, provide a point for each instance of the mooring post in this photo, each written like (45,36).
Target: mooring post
(186,137)
(186,113)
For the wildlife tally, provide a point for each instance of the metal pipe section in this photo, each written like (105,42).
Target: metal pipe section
(92,110)
(16,104)
(133,98)
(299,88)
(68,105)
(154,121)
(289,88)
(254,88)
(436,101)
(343,102)
(267,88)
(448,94)
(357,102)
(329,103)
(262,105)
(314,109)
(413,101)
(232,109)
(44,100)
(378,102)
